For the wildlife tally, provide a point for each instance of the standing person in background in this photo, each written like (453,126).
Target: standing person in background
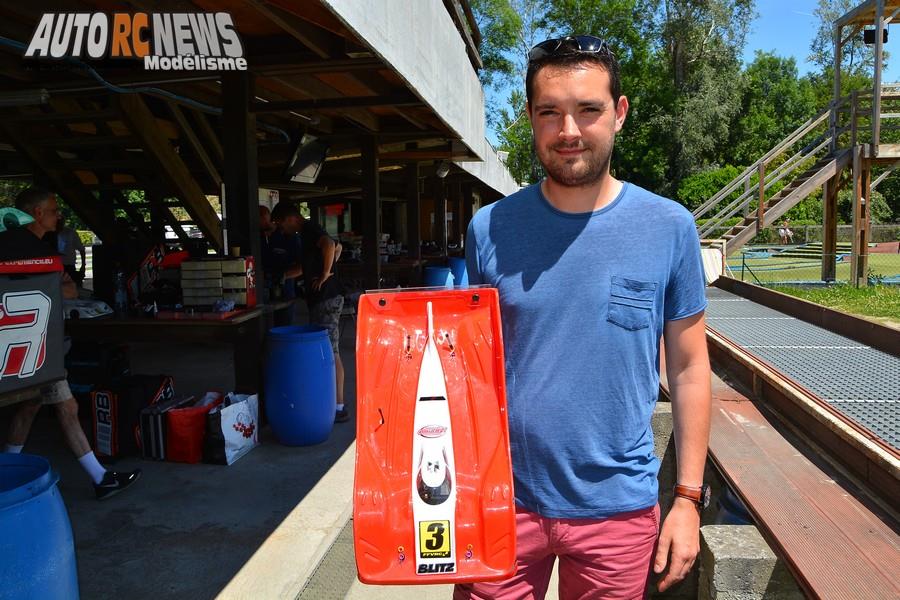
(324,296)
(28,242)
(584,308)
(68,243)
(281,260)
(265,232)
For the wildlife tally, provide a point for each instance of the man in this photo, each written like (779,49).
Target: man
(324,295)
(69,244)
(281,252)
(584,306)
(24,243)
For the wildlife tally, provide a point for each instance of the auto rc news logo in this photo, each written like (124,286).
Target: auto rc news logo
(164,41)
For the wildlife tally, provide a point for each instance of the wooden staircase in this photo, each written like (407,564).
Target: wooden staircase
(806,159)
(774,208)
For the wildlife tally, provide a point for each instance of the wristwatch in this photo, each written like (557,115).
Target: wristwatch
(699,495)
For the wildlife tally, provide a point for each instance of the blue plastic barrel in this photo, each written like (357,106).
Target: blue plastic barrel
(438,277)
(300,385)
(731,510)
(458,268)
(37,553)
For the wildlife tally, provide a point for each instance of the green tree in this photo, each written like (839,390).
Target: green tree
(890,189)
(774,103)
(509,28)
(880,212)
(701,41)
(856,57)
(638,155)
(516,139)
(499,25)
(700,187)
(9,189)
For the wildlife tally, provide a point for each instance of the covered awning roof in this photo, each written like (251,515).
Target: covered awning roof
(399,72)
(865,12)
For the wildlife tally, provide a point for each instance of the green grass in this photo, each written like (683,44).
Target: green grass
(776,269)
(882,301)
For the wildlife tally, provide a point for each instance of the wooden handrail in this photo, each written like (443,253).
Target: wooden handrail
(790,140)
(793,164)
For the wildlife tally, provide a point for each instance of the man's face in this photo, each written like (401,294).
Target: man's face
(290,224)
(575,122)
(46,214)
(265,219)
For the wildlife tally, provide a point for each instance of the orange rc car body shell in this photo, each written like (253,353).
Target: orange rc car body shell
(433,494)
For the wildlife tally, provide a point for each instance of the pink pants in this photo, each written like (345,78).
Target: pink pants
(598,558)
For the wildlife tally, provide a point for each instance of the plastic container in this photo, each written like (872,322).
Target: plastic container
(300,385)
(37,552)
(731,510)
(458,269)
(438,277)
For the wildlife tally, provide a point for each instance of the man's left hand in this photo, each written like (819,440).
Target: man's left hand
(679,543)
(318,282)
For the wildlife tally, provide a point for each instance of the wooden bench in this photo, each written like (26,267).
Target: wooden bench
(836,543)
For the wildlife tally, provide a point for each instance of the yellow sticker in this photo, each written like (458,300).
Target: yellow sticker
(434,539)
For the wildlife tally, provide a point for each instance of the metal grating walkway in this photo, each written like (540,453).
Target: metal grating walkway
(861,382)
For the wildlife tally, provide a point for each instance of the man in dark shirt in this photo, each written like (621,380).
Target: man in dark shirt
(281,260)
(27,242)
(324,293)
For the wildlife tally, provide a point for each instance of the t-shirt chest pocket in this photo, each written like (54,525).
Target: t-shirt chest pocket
(631,303)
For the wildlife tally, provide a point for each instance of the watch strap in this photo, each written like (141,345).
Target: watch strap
(690,493)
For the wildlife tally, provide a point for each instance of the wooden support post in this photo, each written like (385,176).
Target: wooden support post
(413,212)
(356,216)
(371,213)
(466,209)
(456,197)
(157,222)
(865,207)
(876,92)
(829,227)
(857,202)
(194,142)
(761,209)
(241,172)
(440,214)
(747,191)
(837,88)
(145,127)
(50,172)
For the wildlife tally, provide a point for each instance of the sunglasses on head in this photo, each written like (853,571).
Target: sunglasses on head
(578,44)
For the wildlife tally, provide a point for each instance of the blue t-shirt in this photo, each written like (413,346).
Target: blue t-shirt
(583,298)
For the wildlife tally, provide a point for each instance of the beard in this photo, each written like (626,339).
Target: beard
(582,171)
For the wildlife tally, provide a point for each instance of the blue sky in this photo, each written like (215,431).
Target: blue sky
(786,27)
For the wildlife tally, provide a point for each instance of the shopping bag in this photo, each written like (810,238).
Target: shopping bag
(232,429)
(186,428)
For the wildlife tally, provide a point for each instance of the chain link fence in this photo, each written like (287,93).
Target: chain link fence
(776,256)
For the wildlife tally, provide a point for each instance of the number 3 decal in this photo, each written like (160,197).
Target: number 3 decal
(434,539)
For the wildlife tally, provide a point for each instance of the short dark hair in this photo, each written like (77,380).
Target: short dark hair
(29,198)
(283,210)
(604,60)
